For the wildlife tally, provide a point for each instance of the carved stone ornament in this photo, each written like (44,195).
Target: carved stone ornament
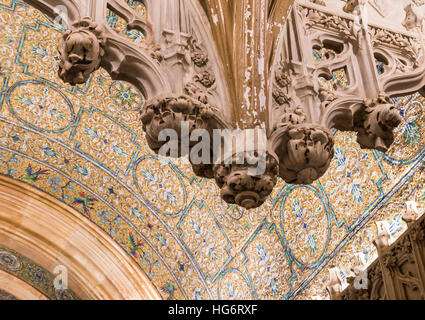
(383,236)
(280,96)
(389,260)
(351,5)
(156,53)
(305,152)
(81,49)
(352,293)
(375,124)
(418,231)
(326,97)
(398,273)
(171,112)
(239,186)
(199,57)
(412,212)
(291,115)
(336,284)
(414,16)
(206,79)
(215,67)
(282,78)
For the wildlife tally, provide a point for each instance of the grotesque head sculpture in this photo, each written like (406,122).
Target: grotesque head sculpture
(375,123)
(169,113)
(350,6)
(81,50)
(305,152)
(414,16)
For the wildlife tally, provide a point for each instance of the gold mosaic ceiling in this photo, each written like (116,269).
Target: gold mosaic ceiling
(84,146)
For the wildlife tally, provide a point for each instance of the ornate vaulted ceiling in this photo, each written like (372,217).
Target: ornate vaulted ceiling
(83,145)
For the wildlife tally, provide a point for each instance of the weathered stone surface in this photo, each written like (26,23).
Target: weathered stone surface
(305,152)
(239,186)
(375,124)
(81,49)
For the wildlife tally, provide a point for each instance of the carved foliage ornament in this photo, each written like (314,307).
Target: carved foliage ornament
(305,151)
(314,17)
(81,49)
(170,112)
(375,123)
(239,186)
(300,146)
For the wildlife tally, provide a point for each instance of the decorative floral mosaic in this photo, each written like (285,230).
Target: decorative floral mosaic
(84,146)
(120,25)
(26,270)
(7,296)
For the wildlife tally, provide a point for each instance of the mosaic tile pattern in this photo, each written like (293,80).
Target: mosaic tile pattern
(84,146)
(6,296)
(120,26)
(26,270)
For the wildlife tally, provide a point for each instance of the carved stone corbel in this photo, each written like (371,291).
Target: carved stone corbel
(375,123)
(305,151)
(171,112)
(81,49)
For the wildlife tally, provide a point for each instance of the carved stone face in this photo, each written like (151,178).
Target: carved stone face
(80,52)
(169,113)
(297,116)
(351,5)
(375,125)
(305,153)
(239,187)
